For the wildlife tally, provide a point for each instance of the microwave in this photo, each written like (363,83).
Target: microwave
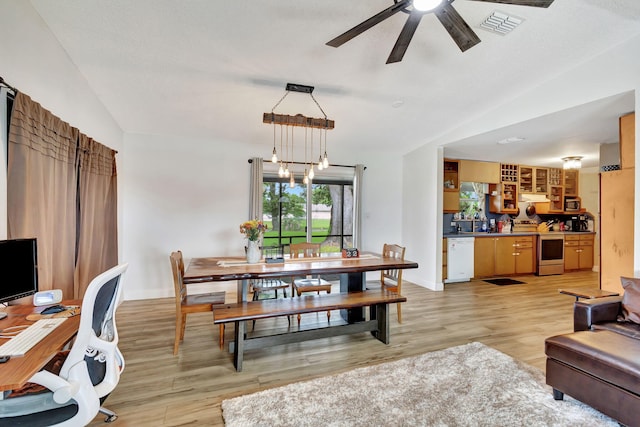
(572,205)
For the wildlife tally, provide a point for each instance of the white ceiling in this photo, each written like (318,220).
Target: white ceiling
(210,69)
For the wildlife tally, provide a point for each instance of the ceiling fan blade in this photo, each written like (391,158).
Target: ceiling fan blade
(534,3)
(365,25)
(404,38)
(458,29)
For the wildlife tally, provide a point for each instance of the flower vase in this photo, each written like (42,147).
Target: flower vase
(253,252)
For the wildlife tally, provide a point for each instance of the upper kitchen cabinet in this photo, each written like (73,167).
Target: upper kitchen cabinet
(475,171)
(534,180)
(627,141)
(451,178)
(571,177)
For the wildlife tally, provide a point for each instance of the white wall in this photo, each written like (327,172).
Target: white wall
(192,195)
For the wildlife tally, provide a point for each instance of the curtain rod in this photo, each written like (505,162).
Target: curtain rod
(4,83)
(301,163)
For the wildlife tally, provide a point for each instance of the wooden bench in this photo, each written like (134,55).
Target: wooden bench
(240,313)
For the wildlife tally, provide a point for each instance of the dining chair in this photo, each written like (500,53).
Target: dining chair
(190,303)
(392,279)
(262,287)
(309,283)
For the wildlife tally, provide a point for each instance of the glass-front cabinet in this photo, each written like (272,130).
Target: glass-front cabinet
(571,182)
(534,180)
(451,179)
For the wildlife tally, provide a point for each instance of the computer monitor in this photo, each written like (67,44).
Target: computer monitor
(19,267)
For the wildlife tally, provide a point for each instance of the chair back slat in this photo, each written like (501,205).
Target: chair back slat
(392,276)
(304,250)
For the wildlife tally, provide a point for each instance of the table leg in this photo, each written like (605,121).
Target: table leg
(242,290)
(240,328)
(352,282)
(382,316)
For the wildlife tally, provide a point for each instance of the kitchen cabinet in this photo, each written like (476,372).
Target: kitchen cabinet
(504,255)
(515,255)
(534,180)
(451,179)
(484,254)
(503,198)
(616,227)
(451,202)
(555,176)
(444,259)
(571,177)
(556,197)
(578,252)
(475,171)
(627,125)
(508,173)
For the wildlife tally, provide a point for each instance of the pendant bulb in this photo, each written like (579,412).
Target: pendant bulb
(311,173)
(320,165)
(325,161)
(292,181)
(281,171)
(274,158)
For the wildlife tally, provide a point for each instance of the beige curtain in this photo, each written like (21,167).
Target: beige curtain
(61,189)
(41,190)
(97,225)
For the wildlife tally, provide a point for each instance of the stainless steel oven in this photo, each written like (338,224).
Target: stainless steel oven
(550,254)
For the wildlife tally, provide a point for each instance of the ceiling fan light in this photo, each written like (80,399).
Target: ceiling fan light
(426,5)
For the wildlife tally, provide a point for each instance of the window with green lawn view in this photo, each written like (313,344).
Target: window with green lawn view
(285,213)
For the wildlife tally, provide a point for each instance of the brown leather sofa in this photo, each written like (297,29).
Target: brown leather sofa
(599,363)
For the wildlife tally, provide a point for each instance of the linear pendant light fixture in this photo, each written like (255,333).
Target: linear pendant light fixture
(292,122)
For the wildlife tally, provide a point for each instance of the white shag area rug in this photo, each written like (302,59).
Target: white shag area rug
(468,385)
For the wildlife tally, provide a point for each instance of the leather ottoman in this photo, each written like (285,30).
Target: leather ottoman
(600,368)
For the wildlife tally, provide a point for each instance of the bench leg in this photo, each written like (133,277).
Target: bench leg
(382,316)
(239,344)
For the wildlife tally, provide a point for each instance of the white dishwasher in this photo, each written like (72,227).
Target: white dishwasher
(459,259)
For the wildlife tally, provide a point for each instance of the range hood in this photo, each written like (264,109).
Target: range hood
(534,198)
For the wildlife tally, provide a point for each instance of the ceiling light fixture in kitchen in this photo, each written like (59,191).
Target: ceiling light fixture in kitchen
(572,162)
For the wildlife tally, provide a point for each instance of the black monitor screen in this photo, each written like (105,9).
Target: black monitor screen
(19,266)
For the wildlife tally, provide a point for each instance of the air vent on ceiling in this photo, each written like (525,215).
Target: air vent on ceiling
(501,23)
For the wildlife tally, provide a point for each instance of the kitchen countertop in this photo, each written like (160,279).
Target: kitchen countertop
(521,233)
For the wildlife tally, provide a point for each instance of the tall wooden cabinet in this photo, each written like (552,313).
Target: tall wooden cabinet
(617,194)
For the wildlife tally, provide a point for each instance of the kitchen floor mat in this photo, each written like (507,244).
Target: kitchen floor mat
(504,282)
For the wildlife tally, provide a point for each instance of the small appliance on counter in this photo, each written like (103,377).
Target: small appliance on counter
(572,205)
(579,223)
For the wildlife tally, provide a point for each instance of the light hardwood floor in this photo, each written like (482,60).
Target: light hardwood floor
(158,389)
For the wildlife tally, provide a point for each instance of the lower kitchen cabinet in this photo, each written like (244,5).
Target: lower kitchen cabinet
(444,259)
(504,255)
(484,255)
(578,252)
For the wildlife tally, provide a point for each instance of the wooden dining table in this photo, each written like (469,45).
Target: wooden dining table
(352,271)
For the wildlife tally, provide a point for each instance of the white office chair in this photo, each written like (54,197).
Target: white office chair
(88,374)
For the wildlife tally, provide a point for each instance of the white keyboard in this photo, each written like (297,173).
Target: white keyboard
(25,340)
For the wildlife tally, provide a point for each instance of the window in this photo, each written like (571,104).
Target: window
(472,198)
(285,212)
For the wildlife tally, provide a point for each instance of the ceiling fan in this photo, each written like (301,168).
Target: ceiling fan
(458,29)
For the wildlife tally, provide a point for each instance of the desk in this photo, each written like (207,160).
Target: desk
(16,371)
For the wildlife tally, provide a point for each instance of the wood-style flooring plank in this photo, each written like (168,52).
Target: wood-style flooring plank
(158,389)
